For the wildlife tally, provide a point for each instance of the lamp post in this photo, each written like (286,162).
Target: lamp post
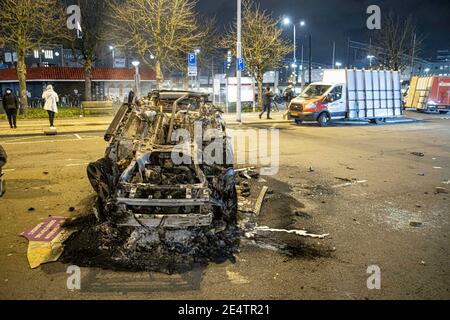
(370,57)
(239,56)
(113,53)
(137,78)
(197,83)
(286,22)
(338,65)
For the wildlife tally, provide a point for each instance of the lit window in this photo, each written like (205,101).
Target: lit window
(48,54)
(36,54)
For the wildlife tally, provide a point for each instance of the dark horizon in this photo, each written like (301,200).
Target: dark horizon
(338,20)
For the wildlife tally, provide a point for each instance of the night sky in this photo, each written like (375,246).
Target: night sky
(335,20)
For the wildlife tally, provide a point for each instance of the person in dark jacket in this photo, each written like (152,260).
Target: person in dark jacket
(288,97)
(3,159)
(131,97)
(11,105)
(267,101)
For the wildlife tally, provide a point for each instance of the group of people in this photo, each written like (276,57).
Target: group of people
(11,106)
(288,95)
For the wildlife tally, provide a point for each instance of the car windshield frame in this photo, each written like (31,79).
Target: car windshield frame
(319,88)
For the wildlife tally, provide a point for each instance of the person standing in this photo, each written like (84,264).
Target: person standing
(288,96)
(267,101)
(51,104)
(11,105)
(131,97)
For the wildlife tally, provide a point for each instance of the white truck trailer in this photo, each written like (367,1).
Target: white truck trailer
(350,94)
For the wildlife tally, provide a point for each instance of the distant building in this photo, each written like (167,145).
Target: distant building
(107,83)
(441,66)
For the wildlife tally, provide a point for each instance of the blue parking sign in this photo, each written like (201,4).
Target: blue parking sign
(192,60)
(241,64)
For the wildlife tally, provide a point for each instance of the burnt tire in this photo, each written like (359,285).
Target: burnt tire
(230,210)
(101,177)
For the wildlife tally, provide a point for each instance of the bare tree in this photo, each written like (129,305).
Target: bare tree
(25,25)
(91,43)
(162,32)
(397,41)
(263,46)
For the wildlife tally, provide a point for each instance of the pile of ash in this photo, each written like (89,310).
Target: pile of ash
(135,249)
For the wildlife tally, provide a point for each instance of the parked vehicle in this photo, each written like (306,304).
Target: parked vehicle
(372,95)
(429,94)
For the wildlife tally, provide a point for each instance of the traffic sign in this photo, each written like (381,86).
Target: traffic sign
(192,71)
(192,60)
(241,64)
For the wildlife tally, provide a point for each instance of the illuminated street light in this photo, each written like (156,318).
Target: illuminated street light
(286,21)
(338,65)
(137,78)
(302,23)
(113,55)
(370,57)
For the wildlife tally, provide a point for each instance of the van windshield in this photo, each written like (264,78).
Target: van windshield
(315,91)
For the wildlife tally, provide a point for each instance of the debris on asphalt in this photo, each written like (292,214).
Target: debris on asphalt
(416,224)
(440,190)
(446,182)
(344,179)
(418,154)
(311,169)
(260,200)
(421,174)
(437,168)
(349,184)
(302,233)
(46,241)
(31,209)
(71,209)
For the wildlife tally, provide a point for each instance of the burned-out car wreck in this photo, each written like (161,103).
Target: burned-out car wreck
(155,189)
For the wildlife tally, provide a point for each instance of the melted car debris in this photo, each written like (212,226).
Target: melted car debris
(104,246)
(152,214)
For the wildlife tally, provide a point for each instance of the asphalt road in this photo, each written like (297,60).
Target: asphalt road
(369,221)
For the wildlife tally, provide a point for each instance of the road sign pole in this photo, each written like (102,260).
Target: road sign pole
(239,57)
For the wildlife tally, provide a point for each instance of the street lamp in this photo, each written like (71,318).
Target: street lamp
(239,57)
(370,57)
(113,55)
(427,70)
(287,21)
(338,65)
(137,78)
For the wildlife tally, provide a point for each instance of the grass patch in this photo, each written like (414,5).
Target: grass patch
(63,113)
